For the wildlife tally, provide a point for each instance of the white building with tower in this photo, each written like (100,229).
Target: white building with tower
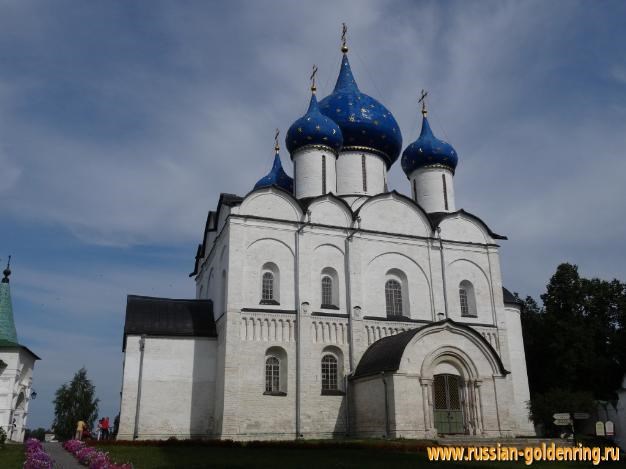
(16,369)
(329,305)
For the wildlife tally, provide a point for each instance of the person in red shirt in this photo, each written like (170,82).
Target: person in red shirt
(105,428)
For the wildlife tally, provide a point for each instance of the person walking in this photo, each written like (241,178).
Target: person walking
(99,430)
(105,428)
(80,428)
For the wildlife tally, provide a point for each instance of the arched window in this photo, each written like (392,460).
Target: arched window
(393,298)
(268,286)
(329,288)
(327,291)
(467,299)
(329,373)
(272,375)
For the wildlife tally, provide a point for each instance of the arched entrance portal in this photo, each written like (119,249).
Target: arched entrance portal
(448,409)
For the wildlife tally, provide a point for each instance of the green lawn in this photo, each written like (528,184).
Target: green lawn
(190,457)
(12,456)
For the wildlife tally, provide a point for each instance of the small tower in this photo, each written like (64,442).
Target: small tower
(313,142)
(277,176)
(16,367)
(429,163)
(7,324)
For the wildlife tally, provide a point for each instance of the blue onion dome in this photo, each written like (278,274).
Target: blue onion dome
(314,128)
(276,177)
(428,150)
(365,123)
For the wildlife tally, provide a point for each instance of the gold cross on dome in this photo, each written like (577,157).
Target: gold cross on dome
(344,45)
(312,78)
(423,101)
(276,145)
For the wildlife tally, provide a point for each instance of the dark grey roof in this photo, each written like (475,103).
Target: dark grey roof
(437,217)
(385,354)
(168,317)
(509,298)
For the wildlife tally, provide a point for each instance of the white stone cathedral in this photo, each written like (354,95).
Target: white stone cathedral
(329,306)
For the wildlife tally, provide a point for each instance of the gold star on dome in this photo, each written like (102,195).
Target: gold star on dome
(300,129)
(375,122)
(351,118)
(317,127)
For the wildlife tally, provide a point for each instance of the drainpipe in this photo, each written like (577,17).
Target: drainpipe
(298,324)
(387,429)
(443,273)
(142,343)
(349,294)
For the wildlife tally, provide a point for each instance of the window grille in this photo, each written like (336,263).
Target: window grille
(268,286)
(329,373)
(272,375)
(327,291)
(464,304)
(393,297)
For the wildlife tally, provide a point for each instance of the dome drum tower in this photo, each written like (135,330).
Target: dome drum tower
(429,163)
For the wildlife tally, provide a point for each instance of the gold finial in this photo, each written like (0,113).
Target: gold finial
(276,145)
(423,101)
(312,78)
(344,45)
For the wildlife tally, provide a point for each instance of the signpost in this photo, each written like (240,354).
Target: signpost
(561,416)
(562,422)
(581,415)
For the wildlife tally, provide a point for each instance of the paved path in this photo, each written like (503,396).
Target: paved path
(62,459)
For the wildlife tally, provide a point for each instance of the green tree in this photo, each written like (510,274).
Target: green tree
(575,344)
(74,401)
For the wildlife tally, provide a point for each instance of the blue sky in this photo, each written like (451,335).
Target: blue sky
(121,122)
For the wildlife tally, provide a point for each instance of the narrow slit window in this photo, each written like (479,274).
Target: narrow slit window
(414,191)
(364,171)
(295,176)
(323,174)
(445,191)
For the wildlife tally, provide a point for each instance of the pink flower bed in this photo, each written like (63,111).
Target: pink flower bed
(36,457)
(91,457)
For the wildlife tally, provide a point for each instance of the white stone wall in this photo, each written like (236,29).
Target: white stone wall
(427,183)
(15,380)
(519,376)
(391,238)
(350,173)
(178,392)
(308,172)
